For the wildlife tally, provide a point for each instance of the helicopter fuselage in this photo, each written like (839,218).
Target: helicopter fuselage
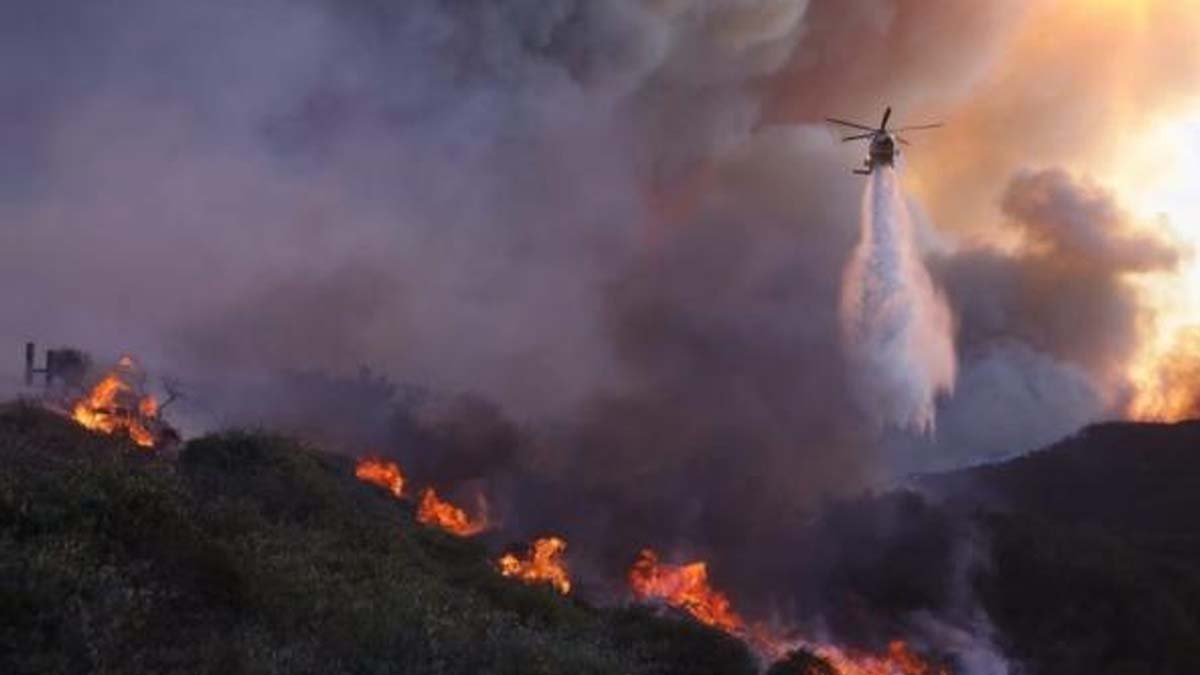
(882,152)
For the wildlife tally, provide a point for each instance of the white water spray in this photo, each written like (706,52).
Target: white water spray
(896,326)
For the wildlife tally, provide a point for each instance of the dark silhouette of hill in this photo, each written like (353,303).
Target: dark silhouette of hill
(1136,482)
(1084,556)
(1094,549)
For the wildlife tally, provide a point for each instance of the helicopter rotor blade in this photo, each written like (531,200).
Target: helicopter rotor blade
(919,127)
(887,115)
(852,125)
(858,137)
(901,140)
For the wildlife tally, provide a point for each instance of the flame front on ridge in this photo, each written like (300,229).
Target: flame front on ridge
(381,472)
(437,512)
(542,564)
(685,587)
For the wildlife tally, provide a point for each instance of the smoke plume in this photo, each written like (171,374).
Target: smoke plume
(897,326)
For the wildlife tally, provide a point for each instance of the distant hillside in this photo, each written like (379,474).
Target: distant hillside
(1138,482)
(250,553)
(1094,547)
(1079,558)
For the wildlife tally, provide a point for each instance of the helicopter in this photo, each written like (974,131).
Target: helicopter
(883,150)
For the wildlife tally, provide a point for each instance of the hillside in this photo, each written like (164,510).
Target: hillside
(253,553)
(1094,547)
(1078,559)
(1137,482)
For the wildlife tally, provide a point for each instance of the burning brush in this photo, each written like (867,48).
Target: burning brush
(117,404)
(436,512)
(542,564)
(686,587)
(432,510)
(383,473)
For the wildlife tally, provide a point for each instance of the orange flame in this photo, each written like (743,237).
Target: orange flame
(899,660)
(436,512)
(685,587)
(1167,384)
(543,564)
(381,472)
(113,406)
(148,407)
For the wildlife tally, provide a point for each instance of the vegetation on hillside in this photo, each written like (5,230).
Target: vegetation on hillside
(254,553)
(1083,556)
(1094,549)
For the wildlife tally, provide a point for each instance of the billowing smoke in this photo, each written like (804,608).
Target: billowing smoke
(1046,330)
(898,329)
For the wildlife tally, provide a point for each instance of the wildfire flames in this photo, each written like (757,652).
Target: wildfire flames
(542,564)
(1165,382)
(431,510)
(685,587)
(436,512)
(899,660)
(383,473)
(114,406)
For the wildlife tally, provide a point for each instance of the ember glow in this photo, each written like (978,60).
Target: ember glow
(114,405)
(685,587)
(383,473)
(436,512)
(542,564)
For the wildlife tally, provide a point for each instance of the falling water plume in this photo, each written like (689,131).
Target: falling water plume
(897,328)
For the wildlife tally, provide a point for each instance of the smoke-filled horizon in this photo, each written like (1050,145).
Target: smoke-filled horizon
(619,226)
(447,194)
